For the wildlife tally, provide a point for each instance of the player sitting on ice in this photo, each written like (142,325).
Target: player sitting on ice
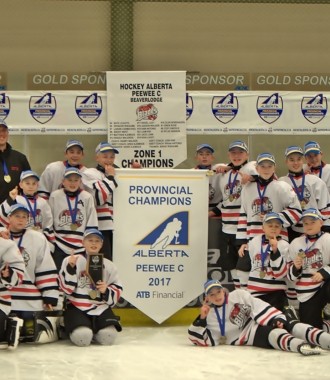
(237,318)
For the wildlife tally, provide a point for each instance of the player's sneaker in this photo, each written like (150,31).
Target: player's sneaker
(306,349)
(14,326)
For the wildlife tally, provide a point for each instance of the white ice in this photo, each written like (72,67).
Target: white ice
(160,353)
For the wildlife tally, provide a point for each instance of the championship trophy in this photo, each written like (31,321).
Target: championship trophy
(94,271)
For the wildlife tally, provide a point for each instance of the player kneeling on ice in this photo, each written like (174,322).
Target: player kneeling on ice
(237,318)
(92,288)
(32,318)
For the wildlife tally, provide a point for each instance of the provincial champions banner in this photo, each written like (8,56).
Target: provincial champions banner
(240,112)
(160,237)
(146,117)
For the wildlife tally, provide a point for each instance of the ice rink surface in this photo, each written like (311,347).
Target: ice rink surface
(162,353)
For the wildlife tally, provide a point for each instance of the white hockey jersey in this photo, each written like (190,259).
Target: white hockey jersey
(69,233)
(316,255)
(9,255)
(40,216)
(40,281)
(314,194)
(101,187)
(231,189)
(268,270)
(243,314)
(78,288)
(278,197)
(52,177)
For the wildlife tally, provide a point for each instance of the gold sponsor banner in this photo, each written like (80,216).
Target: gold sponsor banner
(217,81)
(66,81)
(3,81)
(291,82)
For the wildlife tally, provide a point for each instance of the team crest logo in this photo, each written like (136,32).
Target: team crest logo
(261,206)
(146,112)
(225,108)
(4,106)
(314,108)
(313,259)
(26,257)
(42,108)
(88,108)
(239,315)
(172,231)
(189,106)
(270,108)
(66,220)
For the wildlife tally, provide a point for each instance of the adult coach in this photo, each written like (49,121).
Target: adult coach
(12,163)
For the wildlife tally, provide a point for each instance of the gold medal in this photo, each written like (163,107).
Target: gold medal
(73,226)
(223,339)
(262,274)
(231,197)
(302,204)
(301,254)
(7,178)
(36,228)
(93,294)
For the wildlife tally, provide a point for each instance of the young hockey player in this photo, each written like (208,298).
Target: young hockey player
(231,185)
(237,318)
(88,313)
(266,261)
(73,211)
(51,178)
(311,190)
(11,274)
(40,217)
(100,182)
(309,268)
(38,292)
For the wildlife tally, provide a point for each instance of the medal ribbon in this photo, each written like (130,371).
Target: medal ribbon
(33,211)
(19,241)
(5,169)
(230,183)
(306,241)
(261,196)
(264,253)
(300,194)
(317,169)
(73,212)
(222,321)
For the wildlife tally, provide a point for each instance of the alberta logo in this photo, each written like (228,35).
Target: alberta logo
(4,106)
(314,108)
(172,231)
(42,108)
(88,108)
(270,108)
(225,108)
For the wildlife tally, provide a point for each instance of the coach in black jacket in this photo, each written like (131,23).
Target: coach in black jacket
(12,163)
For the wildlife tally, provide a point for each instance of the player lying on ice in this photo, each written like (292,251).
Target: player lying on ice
(237,318)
